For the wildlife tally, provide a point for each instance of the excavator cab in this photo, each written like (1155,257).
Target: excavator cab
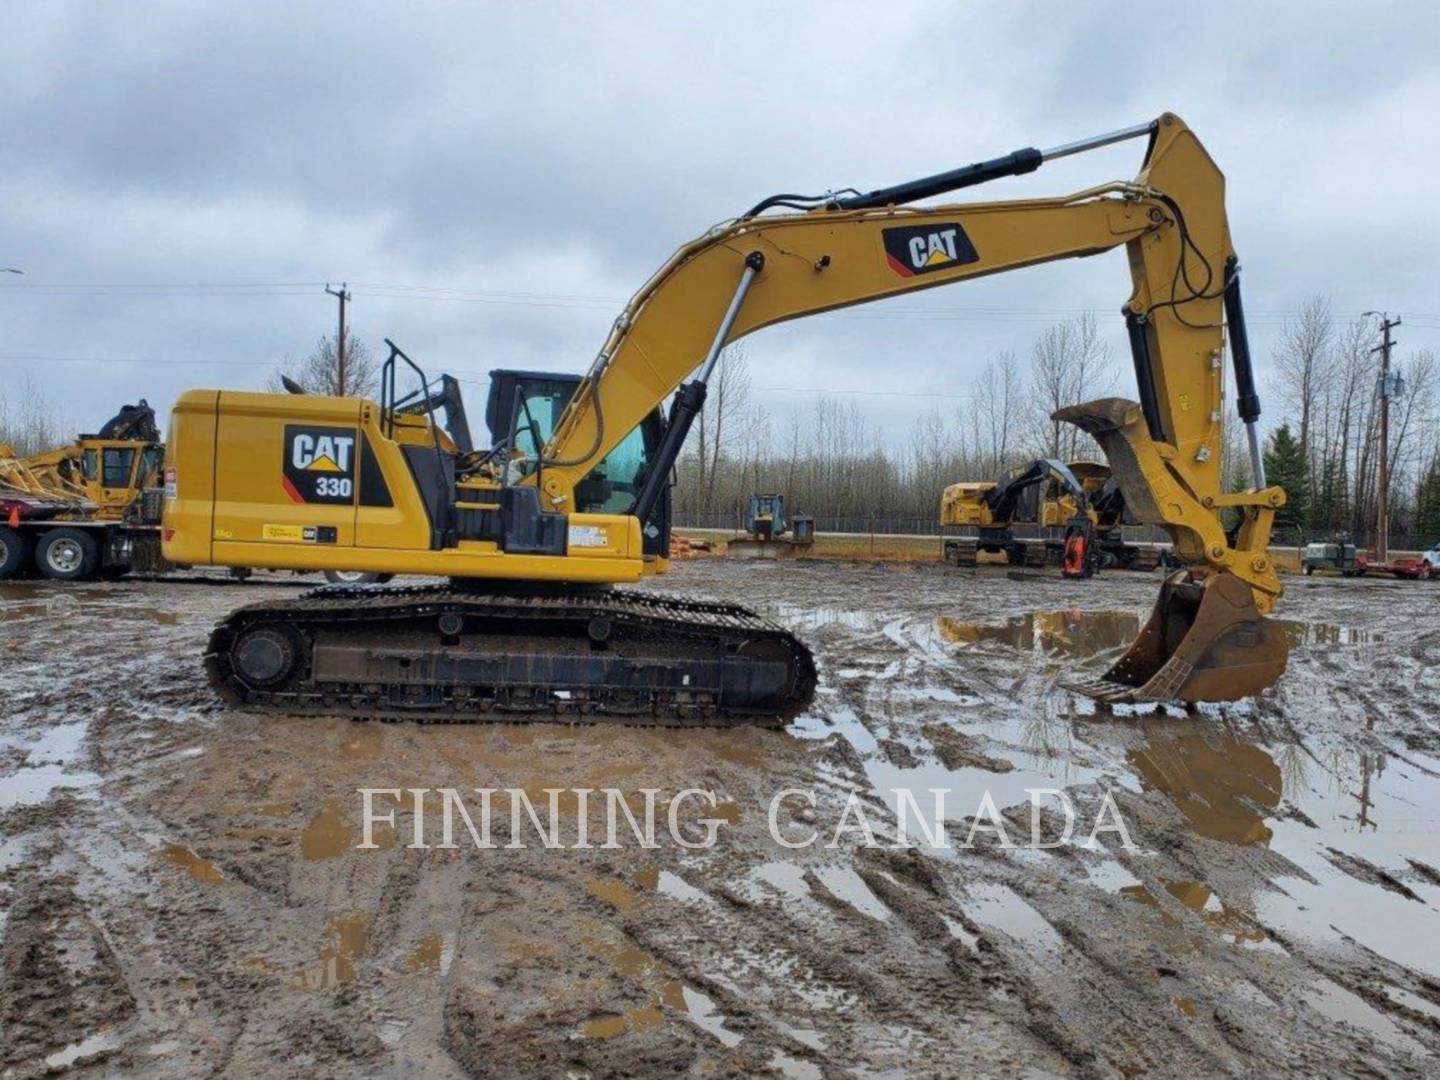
(521,412)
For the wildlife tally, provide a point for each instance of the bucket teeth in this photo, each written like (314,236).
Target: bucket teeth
(1164,685)
(1103,690)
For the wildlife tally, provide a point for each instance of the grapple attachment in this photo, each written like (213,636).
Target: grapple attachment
(1205,641)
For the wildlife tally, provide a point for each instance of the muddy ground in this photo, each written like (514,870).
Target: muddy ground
(182,891)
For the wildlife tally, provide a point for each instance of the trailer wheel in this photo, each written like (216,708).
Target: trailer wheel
(14,552)
(67,555)
(356,577)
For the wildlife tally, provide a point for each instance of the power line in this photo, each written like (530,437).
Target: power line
(476,378)
(580,301)
(166,285)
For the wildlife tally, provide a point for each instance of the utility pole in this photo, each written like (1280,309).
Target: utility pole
(343,295)
(1382,488)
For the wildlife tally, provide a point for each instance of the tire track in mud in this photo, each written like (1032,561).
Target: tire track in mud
(1034,682)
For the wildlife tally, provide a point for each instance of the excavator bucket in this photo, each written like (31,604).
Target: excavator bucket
(1205,641)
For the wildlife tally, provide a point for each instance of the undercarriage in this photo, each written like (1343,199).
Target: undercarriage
(455,654)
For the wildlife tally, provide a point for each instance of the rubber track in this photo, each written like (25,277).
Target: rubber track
(652,614)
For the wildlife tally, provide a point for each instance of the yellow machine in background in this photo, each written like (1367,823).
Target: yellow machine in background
(1044,499)
(559,504)
(110,469)
(82,511)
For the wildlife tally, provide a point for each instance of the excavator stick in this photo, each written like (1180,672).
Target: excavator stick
(1205,641)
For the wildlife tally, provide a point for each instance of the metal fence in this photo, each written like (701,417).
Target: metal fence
(883,525)
(894,524)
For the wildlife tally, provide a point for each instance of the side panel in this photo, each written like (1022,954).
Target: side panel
(963,504)
(190,479)
(286,470)
(257,479)
(603,548)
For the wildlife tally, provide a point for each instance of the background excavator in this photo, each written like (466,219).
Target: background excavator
(532,529)
(1049,501)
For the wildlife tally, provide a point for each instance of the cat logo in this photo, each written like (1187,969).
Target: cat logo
(319,465)
(322,453)
(923,249)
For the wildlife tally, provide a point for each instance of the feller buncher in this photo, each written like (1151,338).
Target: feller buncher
(533,537)
(1055,502)
(90,509)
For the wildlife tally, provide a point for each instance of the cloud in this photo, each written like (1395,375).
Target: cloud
(563,151)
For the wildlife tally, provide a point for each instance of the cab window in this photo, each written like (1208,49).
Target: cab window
(613,484)
(544,407)
(88,465)
(151,463)
(116,465)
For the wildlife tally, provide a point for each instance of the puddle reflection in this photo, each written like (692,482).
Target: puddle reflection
(346,939)
(21,601)
(1313,633)
(1224,786)
(1070,633)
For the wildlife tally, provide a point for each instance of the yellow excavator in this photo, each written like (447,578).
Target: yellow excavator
(569,500)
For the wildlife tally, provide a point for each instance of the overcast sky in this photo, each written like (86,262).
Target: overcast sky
(180,181)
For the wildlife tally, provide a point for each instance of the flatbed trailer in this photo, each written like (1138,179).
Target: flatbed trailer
(69,543)
(1412,569)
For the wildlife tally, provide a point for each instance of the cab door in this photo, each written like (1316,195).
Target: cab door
(117,476)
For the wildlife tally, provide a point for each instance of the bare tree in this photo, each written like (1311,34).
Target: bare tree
(723,430)
(1235,473)
(996,413)
(1069,364)
(319,372)
(1352,356)
(31,424)
(1410,417)
(1301,359)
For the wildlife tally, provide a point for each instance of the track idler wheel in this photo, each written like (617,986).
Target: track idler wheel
(1205,641)
(267,656)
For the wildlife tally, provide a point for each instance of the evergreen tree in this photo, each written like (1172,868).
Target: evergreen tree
(1427,503)
(1328,507)
(1285,465)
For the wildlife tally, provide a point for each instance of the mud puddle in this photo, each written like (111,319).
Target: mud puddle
(1276,913)
(1324,844)
(1083,634)
(45,762)
(21,601)
(1068,633)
